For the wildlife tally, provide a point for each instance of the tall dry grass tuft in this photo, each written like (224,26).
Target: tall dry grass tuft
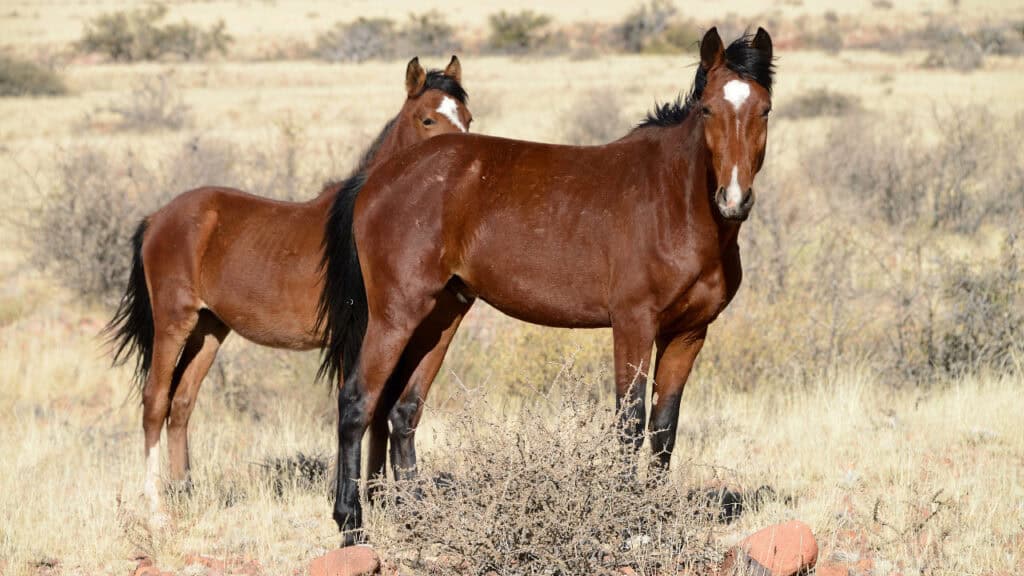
(542,489)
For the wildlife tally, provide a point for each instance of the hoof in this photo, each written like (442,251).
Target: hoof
(355,537)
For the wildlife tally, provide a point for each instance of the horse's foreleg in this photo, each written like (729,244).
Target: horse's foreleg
(633,338)
(676,356)
(196,358)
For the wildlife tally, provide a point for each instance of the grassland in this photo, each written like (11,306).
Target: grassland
(798,388)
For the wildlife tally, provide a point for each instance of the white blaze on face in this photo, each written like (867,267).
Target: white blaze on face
(733,194)
(450,110)
(736,92)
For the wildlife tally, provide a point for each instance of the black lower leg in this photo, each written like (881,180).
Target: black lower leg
(664,422)
(403,436)
(351,425)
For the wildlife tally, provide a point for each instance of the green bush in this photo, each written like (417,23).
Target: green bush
(24,78)
(358,41)
(518,32)
(137,35)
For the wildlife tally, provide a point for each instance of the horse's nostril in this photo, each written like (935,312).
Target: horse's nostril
(747,196)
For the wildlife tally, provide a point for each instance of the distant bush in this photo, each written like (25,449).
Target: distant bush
(154,103)
(130,36)
(518,32)
(650,28)
(429,34)
(820,102)
(542,490)
(358,41)
(959,52)
(24,78)
(595,118)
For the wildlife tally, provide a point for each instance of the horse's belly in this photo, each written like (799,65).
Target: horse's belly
(551,298)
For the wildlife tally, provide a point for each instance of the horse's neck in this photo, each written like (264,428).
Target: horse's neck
(689,162)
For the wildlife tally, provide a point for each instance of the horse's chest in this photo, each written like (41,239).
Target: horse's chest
(700,300)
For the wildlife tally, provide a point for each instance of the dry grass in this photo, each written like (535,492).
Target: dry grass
(810,383)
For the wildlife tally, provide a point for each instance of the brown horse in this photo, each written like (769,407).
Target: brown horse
(639,235)
(216,260)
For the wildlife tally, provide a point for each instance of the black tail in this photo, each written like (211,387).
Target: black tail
(130,331)
(342,312)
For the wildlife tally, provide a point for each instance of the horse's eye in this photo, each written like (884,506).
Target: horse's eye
(428,121)
(705,111)
(766,112)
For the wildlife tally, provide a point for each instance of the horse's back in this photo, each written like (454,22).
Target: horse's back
(251,260)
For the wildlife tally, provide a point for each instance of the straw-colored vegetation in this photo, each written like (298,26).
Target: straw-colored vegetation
(869,371)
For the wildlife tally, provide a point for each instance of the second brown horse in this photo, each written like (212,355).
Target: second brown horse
(216,260)
(639,235)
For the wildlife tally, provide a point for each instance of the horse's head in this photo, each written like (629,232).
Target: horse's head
(734,104)
(436,102)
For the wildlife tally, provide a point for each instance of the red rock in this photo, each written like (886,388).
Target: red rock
(348,561)
(146,568)
(781,550)
(626,571)
(829,569)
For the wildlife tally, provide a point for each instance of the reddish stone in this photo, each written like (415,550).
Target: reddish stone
(626,571)
(349,561)
(146,568)
(781,550)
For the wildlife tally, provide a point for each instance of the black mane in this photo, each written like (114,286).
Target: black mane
(740,57)
(436,80)
(342,309)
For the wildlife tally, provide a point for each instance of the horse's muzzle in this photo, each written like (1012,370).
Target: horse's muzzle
(738,211)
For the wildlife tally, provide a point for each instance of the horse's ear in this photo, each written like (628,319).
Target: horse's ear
(762,41)
(415,77)
(712,52)
(454,69)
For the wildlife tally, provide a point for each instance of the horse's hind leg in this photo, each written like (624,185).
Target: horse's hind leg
(424,354)
(172,330)
(386,337)
(196,358)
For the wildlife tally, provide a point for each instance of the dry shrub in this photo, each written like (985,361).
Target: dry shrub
(130,36)
(429,34)
(820,102)
(80,227)
(956,181)
(155,103)
(358,41)
(545,490)
(426,34)
(519,32)
(652,28)
(24,78)
(984,325)
(596,117)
